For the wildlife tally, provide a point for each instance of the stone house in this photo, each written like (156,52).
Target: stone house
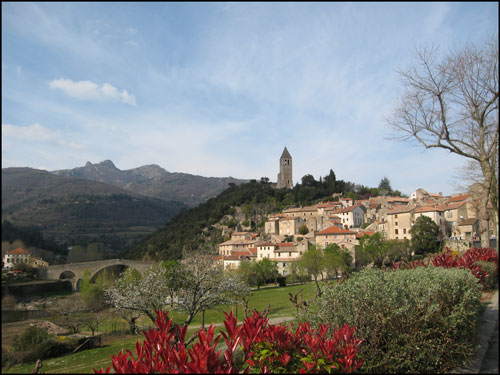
(399,221)
(18,256)
(351,216)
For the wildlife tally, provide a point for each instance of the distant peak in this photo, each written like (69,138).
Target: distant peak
(108,163)
(88,164)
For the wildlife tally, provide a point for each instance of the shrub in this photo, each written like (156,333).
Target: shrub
(448,259)
(490,280)
(254,346)
(416,320)
(31,336)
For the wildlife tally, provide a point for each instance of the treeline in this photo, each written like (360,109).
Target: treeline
(193,229)
(32,237)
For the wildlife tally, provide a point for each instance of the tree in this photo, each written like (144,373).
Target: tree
(174,278)
(370,249)
(205,285)
(71,317)
(312,262)
(384,187)
(303,229)
(145,295)
(93,293)
(452,103)
(424,236)
(336,259)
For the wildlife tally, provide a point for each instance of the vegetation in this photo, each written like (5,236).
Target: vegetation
(424,236)
(258,273)
(451,102)
(195,228)
(82,211)
(412,321)
(255,346)
(377,251)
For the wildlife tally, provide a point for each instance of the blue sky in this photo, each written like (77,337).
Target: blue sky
(218,89)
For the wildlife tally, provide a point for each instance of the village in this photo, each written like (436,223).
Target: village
(344,221)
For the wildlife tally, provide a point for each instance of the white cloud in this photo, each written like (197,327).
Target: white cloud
(38,133)
(31,132)
(88,90)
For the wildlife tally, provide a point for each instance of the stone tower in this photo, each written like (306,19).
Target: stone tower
(285,175)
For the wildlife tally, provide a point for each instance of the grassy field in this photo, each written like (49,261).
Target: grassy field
(87,360)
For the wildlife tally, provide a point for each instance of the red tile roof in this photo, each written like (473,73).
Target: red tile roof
(18,251)
(460,197)
(334,230)
(286,244)
(429,209)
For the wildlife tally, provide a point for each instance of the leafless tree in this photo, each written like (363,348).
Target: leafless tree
(451,102)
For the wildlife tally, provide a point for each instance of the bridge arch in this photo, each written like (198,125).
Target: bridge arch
(115,269)
(74,271)
(67,275)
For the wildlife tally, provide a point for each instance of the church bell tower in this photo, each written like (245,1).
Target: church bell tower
(285,175)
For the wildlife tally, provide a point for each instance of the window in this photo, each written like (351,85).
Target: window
(396,231)
(396,216)
(396,223)
(404,231)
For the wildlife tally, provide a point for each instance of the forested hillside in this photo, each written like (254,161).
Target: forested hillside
(198,227)
(78,211)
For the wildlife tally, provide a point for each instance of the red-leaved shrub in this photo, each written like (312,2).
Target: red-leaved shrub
(264,348)
(468,260)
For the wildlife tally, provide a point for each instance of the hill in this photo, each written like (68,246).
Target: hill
(202,227)
(76,210)
(154,181)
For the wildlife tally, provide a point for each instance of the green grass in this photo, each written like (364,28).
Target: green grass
(87,360)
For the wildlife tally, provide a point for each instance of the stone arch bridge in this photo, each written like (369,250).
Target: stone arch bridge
(73,271)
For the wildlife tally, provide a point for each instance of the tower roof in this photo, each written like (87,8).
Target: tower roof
(285,154)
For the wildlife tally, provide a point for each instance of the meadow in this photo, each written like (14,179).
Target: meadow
(87,360)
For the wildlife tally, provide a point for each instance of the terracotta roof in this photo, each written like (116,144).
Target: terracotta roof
(18,251)
(429,209)
(326,204)
(334,230)
(361,234)
(286,244)
(459,197)
(266,244)
(452,206)
(471,221)
(399,209)
(346,209)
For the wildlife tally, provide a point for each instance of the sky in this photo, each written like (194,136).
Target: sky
(219,89)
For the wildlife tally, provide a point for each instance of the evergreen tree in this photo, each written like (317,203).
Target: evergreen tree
(424,236)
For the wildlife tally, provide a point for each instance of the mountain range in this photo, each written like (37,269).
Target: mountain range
(154,181)
(101,203)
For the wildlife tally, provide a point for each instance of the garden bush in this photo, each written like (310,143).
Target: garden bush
(30,337)
(490,280)
(412,320)
(254,346)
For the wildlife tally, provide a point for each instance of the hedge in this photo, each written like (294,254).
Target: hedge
(416,320)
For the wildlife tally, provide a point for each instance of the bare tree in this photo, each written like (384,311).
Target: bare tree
(452,103)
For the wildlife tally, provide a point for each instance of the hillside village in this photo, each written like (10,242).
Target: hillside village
(343,221)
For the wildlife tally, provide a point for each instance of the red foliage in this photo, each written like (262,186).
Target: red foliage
(266,348)
(467,260)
